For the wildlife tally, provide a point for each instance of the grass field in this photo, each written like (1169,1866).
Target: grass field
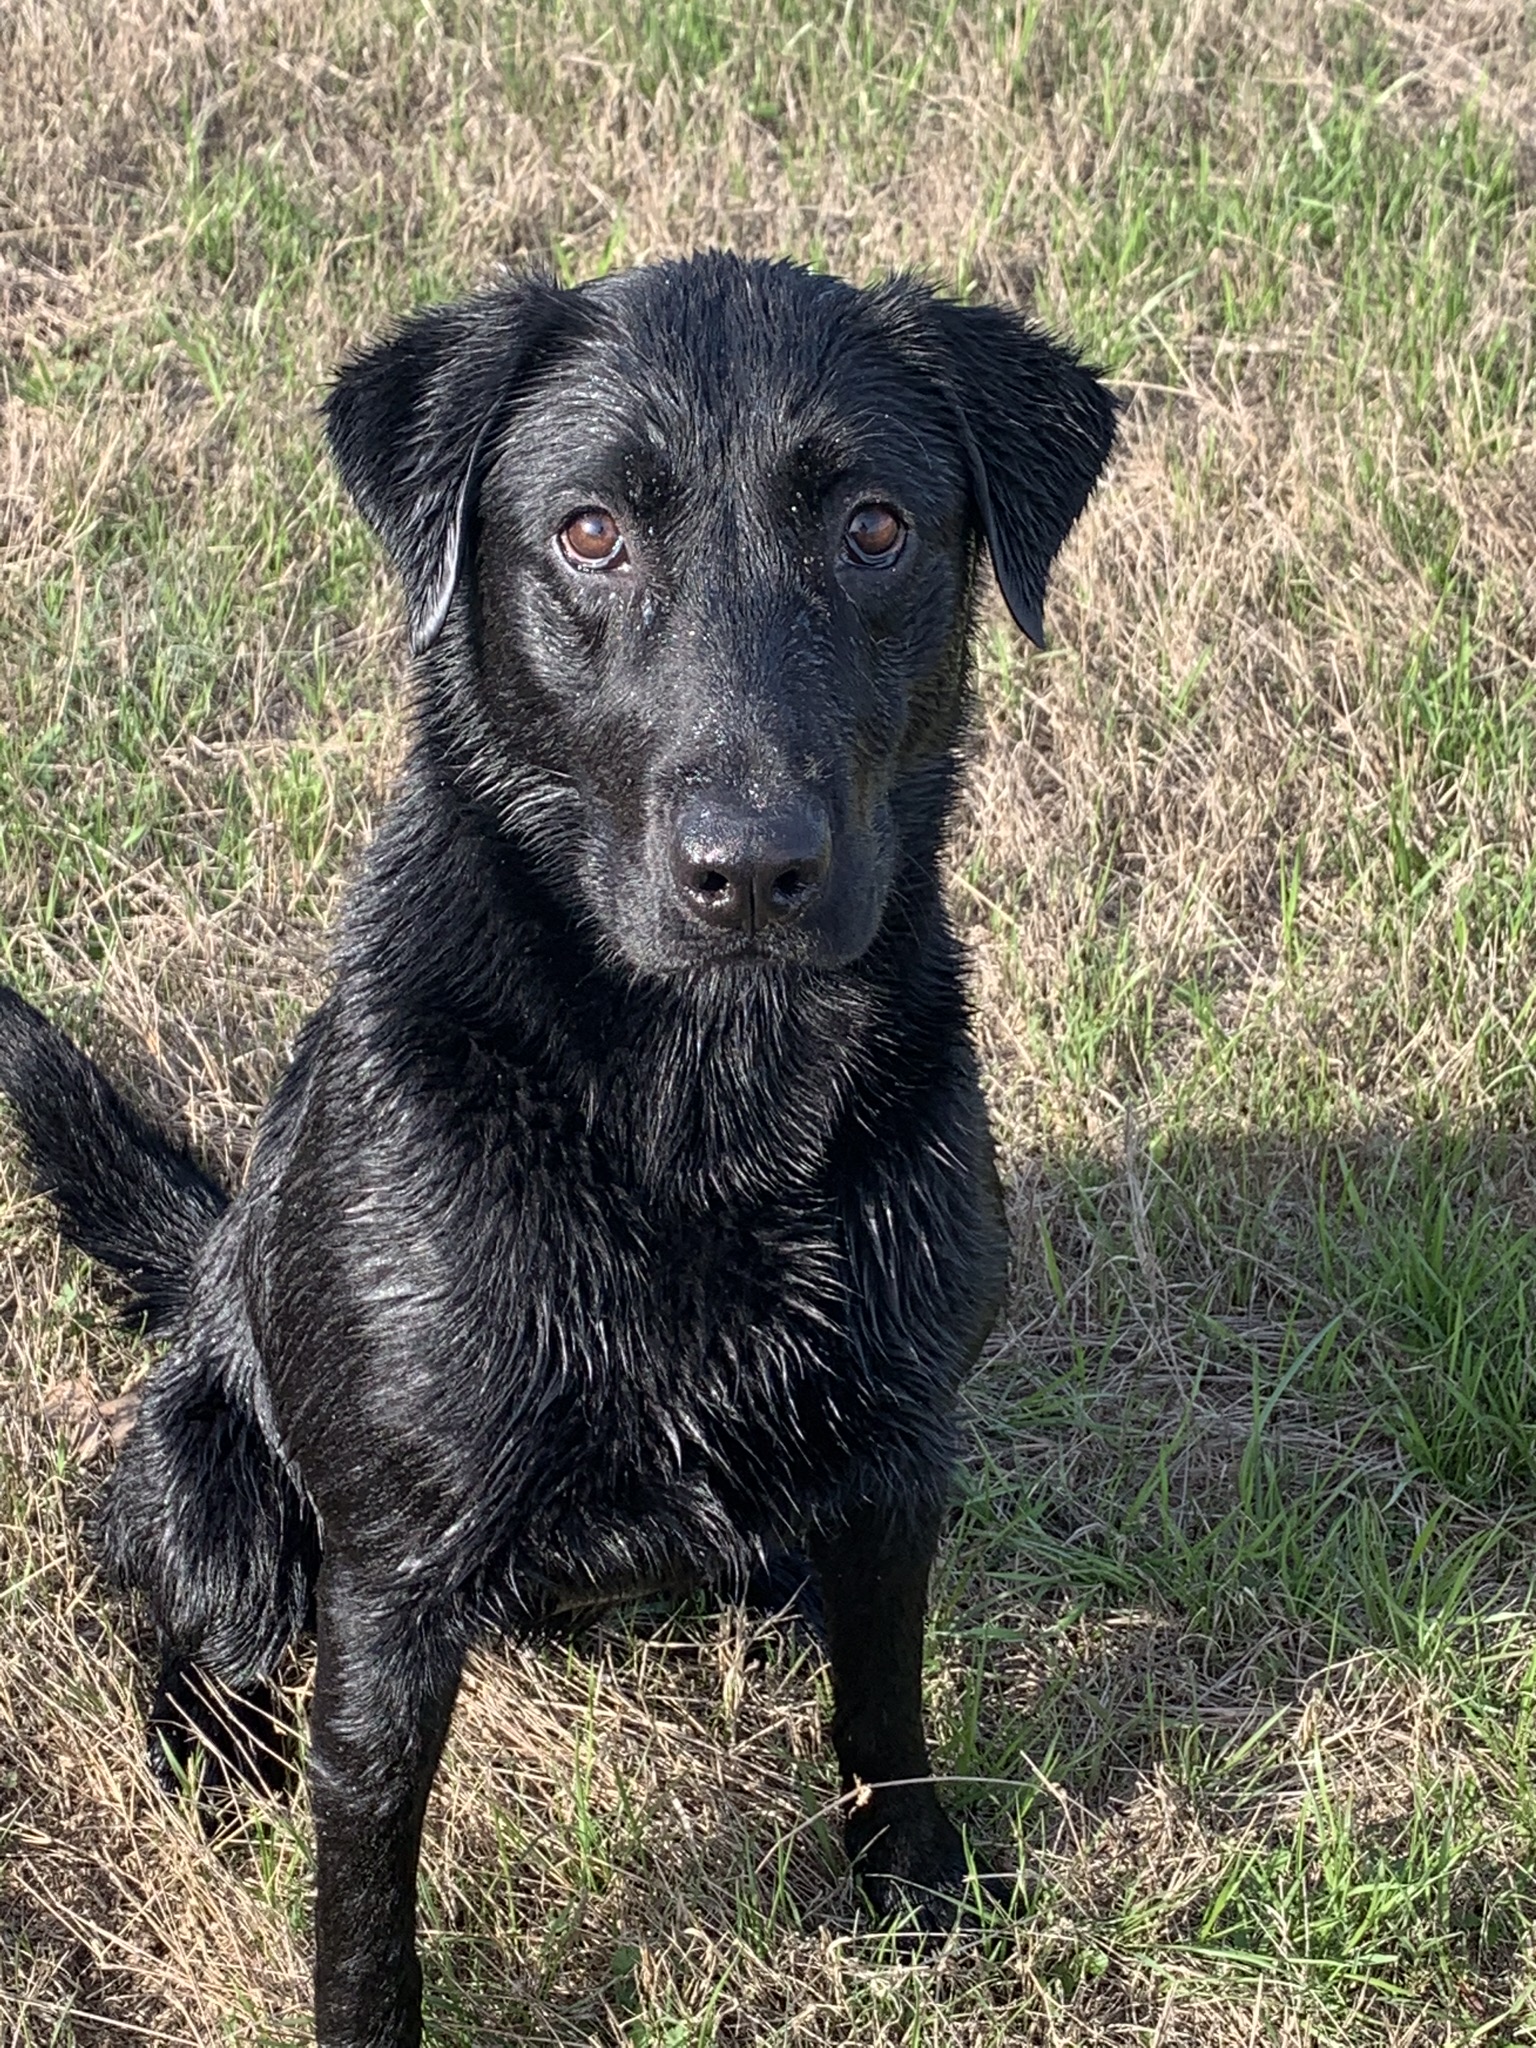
(1234,1642)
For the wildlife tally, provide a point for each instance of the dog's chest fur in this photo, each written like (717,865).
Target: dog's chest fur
(625,1286)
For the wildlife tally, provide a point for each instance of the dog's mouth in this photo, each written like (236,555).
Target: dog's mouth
(758,951)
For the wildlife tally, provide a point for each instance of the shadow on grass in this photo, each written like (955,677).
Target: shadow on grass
(1240,1590)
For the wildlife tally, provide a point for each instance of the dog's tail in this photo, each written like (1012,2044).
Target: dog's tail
(125,1194)
(201,1513)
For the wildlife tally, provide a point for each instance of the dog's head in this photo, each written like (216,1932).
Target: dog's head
(688,554)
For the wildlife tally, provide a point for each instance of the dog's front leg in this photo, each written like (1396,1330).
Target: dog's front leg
(906,1851)
(384,1692)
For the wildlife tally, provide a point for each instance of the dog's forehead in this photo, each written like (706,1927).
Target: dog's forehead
(712,363)
(725,325)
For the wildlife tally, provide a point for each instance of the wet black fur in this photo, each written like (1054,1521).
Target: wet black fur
(584,1249)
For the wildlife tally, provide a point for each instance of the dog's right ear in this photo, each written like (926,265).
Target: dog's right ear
(411,422)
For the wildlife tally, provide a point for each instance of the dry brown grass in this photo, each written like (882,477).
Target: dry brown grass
(1238,1599)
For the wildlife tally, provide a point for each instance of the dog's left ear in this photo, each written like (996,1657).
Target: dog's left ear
(411,423)
(1037,427)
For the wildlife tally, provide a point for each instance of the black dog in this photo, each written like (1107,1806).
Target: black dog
(627,1216)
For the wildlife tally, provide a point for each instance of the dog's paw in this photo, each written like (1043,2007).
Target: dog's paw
(915,1879)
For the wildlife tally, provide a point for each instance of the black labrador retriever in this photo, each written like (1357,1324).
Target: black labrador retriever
(627,1217)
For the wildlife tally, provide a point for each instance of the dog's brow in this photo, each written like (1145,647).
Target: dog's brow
(622,471)
(647,470)
(819,462)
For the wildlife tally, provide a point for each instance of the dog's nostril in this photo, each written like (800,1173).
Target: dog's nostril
(787,886)
(711,882)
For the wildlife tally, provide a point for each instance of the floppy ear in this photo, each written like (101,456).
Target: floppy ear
(411,422)
(1037,427)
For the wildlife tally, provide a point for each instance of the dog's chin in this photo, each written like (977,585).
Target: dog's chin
(679,949)
(732,956)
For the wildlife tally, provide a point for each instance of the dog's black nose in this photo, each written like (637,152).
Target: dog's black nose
(741,870)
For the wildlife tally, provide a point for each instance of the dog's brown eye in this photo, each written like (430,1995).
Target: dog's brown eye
(875,534)
(592,539)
